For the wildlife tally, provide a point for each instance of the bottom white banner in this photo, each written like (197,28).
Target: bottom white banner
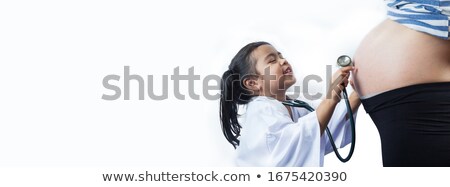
(220,176)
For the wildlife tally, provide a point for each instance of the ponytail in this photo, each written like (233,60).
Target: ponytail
(229,109)
(233,93)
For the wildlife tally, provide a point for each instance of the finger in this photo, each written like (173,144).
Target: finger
(343,77)
(338,89)
(352,83)
(346,75)
(347,69)
(345,82)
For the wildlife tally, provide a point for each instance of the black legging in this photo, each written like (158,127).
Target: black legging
(414,124)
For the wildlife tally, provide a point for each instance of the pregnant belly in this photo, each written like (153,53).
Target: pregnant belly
(393,56)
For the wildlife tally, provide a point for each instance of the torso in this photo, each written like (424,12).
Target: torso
(393,56)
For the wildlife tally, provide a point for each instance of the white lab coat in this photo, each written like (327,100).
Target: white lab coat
(269,137)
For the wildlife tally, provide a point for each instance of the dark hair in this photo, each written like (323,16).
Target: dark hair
(233,91)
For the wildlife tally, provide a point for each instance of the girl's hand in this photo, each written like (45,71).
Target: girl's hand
(339,82)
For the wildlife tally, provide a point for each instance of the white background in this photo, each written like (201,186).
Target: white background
(55,54)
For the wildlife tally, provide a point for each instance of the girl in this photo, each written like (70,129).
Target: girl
(273,134)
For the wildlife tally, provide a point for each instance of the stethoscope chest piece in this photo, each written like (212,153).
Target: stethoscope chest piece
(344,61)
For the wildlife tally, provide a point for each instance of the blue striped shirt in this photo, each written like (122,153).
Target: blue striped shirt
(428,16)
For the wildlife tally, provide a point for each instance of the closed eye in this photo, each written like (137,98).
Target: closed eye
(273,57)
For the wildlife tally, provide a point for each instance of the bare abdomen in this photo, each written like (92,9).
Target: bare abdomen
(393,56)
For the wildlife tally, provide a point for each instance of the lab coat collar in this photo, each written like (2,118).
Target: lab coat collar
(279,106)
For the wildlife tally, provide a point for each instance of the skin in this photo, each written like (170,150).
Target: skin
(393,56)
(274,79)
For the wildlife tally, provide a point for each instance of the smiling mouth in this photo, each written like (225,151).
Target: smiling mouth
(287,71)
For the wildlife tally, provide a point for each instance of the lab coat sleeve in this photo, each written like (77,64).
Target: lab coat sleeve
(339,127)
(289,143)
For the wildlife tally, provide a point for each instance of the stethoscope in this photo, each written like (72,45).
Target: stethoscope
(342,61)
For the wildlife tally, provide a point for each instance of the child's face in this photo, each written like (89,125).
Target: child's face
(276,74)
